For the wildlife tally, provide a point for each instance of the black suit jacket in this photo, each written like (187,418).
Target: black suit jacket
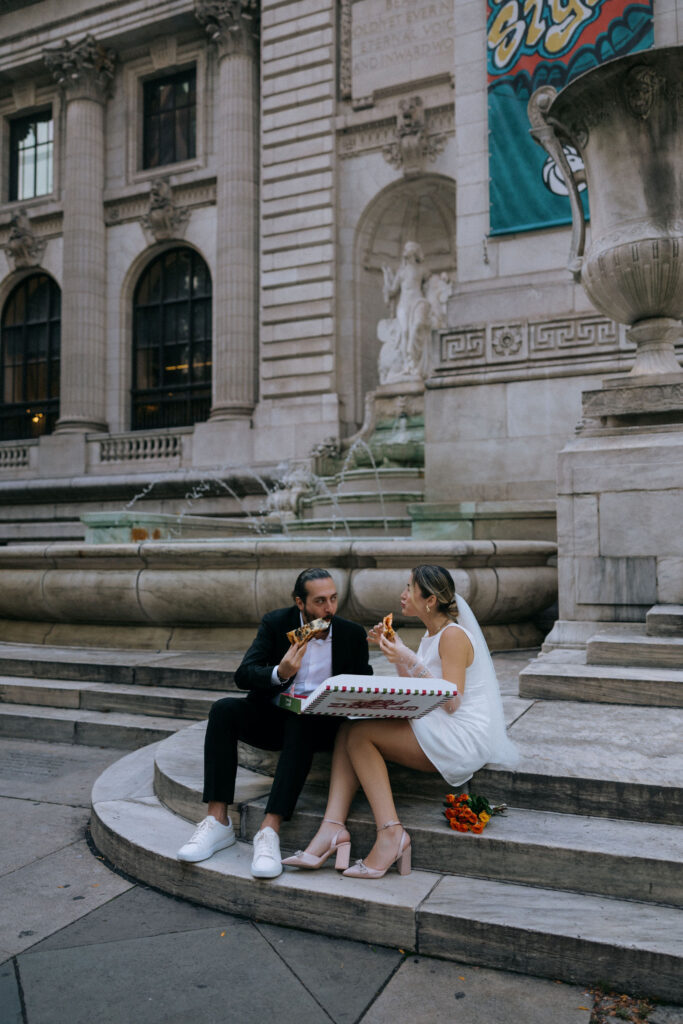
(349,652)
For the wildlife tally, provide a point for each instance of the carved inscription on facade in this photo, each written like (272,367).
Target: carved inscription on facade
(399,41)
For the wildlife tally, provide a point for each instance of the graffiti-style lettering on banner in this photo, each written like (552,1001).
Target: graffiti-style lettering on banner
(544,42)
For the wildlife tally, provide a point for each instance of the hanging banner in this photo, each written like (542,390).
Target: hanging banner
(544,42)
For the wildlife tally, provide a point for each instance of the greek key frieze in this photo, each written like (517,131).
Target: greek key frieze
(465,344)
(546,337)
(521,344)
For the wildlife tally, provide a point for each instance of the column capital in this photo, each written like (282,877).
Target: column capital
(233,25)
(84,70)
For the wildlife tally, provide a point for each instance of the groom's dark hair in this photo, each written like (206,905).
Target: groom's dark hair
(303,578)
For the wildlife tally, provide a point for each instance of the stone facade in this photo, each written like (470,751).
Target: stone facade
(319,151)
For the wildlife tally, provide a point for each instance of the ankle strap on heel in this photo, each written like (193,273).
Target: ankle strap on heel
(333,822)
(388,825)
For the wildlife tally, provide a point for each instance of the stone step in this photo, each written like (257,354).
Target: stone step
(665,620)
(90,728)
(387,526)
(141,700)
(561,851)
(603,856)
(186,669)
(40,531)
(610,761)
(381,481)
(640,651)
(364,504)
(630,946)
(550,678)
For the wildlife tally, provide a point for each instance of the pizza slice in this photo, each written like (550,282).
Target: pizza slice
(309,631)
(388,630)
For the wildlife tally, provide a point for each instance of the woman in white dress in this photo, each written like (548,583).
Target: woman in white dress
(455,739)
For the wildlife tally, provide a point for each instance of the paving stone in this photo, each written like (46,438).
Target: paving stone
(137,913)
(37,830)
(343,976)
(53,892)
(10,1000)
(666,1015)
(33,769)
(223,975)
(433,992)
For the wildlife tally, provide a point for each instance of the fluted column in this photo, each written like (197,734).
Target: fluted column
(233,26)
(85,71)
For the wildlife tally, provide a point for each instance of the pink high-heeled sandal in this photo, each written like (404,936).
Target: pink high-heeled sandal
(402,860)
(341,844)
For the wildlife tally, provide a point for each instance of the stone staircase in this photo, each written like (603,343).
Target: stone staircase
(362,502)
(624,665)
(590,891)
(107,697)
(581,880)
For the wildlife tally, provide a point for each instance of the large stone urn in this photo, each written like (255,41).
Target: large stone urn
(624,118)
(620,478)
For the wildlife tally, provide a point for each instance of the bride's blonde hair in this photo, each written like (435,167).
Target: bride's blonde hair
(435,581)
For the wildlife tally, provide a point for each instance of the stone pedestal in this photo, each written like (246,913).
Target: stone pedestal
(233,27)
(85,73)
(620,505)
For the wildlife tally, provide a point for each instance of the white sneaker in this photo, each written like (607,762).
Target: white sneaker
(267,862)
(209,837)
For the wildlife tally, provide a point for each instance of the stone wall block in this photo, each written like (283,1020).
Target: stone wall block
(586,532)
(91,596)
(670,580)
(21,594)
(616,581)
(645,521)
(201,596)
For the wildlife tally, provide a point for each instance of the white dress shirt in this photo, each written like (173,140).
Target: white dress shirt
(316,666)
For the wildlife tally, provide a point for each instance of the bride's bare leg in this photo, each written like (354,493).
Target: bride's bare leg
(370,744)
(343,786)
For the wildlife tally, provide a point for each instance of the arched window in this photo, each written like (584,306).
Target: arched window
(172,342)
(30,358)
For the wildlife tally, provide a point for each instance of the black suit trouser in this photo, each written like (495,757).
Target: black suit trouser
(261,724)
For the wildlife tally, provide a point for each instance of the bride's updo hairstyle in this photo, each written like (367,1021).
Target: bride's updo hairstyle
(435,581)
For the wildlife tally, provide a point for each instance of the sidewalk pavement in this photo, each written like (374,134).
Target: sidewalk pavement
(81,944)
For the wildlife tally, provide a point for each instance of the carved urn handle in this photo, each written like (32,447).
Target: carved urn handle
(547,131)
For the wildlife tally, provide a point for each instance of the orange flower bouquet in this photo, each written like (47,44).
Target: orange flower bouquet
(470,813)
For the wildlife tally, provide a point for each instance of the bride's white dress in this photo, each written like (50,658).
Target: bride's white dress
(460,743)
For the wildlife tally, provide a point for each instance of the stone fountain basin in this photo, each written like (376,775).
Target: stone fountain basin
(233,582)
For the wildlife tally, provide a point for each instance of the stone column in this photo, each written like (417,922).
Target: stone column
(233,26)
(85,72)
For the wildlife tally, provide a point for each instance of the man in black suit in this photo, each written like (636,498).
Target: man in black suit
(271,666)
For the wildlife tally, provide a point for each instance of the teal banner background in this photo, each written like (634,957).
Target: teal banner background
(544,42)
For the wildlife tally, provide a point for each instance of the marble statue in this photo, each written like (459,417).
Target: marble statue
(163,218)
(417,303)
(23,248)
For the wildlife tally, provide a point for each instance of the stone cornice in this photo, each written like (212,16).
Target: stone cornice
(84,70)
(232,25)
(23,48)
